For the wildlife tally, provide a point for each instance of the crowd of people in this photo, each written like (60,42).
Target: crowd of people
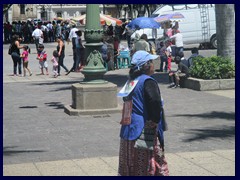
(25,29)
(61,31)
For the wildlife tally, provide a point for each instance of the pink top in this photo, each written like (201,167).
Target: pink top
(54,61)
(25,54)
(169,32)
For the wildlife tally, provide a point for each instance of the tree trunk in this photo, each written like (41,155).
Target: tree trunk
(225,23)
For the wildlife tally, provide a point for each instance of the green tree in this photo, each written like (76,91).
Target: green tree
(6,7)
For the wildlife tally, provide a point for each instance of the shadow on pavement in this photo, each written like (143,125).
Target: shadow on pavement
(56,105)
(8,152)
(55,83)
(213,115)
(203,134)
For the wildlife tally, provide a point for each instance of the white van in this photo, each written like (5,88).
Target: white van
(198,26)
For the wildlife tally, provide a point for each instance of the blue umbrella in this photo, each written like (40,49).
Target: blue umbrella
(143,22)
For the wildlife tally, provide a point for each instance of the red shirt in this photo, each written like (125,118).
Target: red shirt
(42,56)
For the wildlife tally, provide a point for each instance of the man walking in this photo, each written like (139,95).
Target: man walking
(37,34)
(73,36)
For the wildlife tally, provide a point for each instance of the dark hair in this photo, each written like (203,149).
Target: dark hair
(134,72)
(181,54)
(55,53)
(27,48)
(194,50)
(59,37)
(177,59)
(15,37)
(41,46)
(79,33)
(143,36)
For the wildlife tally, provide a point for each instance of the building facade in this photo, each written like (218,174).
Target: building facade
(47,12)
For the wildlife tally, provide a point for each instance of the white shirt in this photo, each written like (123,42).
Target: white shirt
(72,33)
(37,33)
(178,39)
(49,26)
(169,49)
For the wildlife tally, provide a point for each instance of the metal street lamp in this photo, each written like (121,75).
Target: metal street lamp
(93,95)
(94,70)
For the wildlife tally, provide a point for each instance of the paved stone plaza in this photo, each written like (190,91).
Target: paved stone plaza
(40,139)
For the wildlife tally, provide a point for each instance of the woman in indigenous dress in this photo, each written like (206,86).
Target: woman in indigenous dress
(141,95)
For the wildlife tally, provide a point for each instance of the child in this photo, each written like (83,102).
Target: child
(169,55)
(182,72)
(42,57)
(55,63)
(24,56)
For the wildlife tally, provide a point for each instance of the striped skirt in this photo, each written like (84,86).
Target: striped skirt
(138,162)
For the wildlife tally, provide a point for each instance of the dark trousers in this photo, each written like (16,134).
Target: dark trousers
(172,79)
(76,59)
(163,59)
(60,63)
(17,61)
(128,41)
(178,49)
(36,43)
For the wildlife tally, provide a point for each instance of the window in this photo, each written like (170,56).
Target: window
(59,14)
(22,8)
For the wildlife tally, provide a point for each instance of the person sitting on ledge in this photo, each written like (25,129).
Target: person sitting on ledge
(182,72)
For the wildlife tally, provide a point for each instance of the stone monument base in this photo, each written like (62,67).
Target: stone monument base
(93,99)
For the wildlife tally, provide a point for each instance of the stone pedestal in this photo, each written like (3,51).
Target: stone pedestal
(93,99)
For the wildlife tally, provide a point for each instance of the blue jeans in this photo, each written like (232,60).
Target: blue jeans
(17,61)
(76,60)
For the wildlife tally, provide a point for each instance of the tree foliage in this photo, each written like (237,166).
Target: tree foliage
(6,7)
(141,9)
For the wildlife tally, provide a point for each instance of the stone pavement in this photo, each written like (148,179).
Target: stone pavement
(40,139)
(203,163)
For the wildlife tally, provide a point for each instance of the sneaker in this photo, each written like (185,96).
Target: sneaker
(176,86)
(171,85)
(31,74)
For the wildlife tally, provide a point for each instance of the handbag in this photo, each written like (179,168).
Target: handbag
(10,49)
(126,113)
(146,139)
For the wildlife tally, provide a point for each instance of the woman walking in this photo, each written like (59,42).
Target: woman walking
(142,145)
(61,54)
